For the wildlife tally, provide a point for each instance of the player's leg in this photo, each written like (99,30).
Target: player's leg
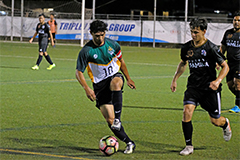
(39,60)
(187,128)
(107,111)
(46,55)
(212,104)
(236,81)
(116,88)
(224,124)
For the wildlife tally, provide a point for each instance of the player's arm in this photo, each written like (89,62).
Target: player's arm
(215,84)
(223,49)
(180,70)
(81,79)
(35,34)
(124,70)
(51,38)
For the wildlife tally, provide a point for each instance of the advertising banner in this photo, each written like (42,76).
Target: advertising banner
(119,30)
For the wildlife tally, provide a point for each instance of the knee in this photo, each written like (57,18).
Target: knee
(116,84)
(187,114)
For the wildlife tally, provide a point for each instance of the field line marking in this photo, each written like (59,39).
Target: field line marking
(75,80)
(63,59)
(42,154)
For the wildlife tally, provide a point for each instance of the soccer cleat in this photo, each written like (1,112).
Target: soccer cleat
(227,133)
(187,150)
(36,67)
(235,109)
(130,148)
(51,66)
(116,124)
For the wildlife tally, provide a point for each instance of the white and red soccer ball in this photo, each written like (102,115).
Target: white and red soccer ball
(108,145)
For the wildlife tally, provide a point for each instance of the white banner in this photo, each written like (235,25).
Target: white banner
(119,30)
(174,31)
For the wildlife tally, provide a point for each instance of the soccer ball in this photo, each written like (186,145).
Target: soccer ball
(108,145)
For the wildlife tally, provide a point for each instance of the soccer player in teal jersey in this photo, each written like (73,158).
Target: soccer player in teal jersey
(231,44)
(102,57)
(204,86)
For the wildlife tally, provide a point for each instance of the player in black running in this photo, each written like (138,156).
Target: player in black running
(42,30)
(231,44)
(203,85)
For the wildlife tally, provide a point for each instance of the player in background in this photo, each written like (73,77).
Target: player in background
(203,85)
(231,44)
(102,57)
(42,30)
(53,26)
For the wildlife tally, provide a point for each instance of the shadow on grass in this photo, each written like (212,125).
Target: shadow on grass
(161,148)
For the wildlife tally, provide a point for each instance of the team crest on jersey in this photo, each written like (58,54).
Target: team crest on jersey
(203,52)
(95,56)
(43,27)
(110,50)
(190,53)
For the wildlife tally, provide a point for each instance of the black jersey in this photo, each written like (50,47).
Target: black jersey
(42,30)
(231,40)
(202,62)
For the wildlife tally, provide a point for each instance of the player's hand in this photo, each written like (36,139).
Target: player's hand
(214,85)
(173,86)
(90,94)
(30,41)
(131,84)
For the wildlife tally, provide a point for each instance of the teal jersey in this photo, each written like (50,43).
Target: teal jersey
(101,62)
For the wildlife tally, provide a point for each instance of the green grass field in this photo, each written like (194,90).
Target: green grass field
(46,114)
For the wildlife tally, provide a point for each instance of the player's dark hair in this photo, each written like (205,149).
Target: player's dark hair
(198,22)
(52,14)
(98,26)
(41,15)
(236,14)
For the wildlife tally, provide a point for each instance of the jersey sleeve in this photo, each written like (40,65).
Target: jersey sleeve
(55,22)
(37,28)
(218,56)
(183,53)
(118,51)
(82,60)
(224,39)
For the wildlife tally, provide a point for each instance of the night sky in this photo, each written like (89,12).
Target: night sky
(125,6)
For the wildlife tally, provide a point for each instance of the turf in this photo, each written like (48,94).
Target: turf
(46,114)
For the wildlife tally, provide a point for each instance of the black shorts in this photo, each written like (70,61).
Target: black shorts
(234,72)
(103,92)
(43,43)
(209,101)
(53,35)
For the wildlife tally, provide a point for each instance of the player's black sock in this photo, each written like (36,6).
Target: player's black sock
(237,101)
(224,126)
(117,103)
(121,134)
(187,131)
(39,60)
(49,59)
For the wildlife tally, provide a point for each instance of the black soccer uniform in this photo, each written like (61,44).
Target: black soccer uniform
(42,30)
(231,40)
(202,62)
